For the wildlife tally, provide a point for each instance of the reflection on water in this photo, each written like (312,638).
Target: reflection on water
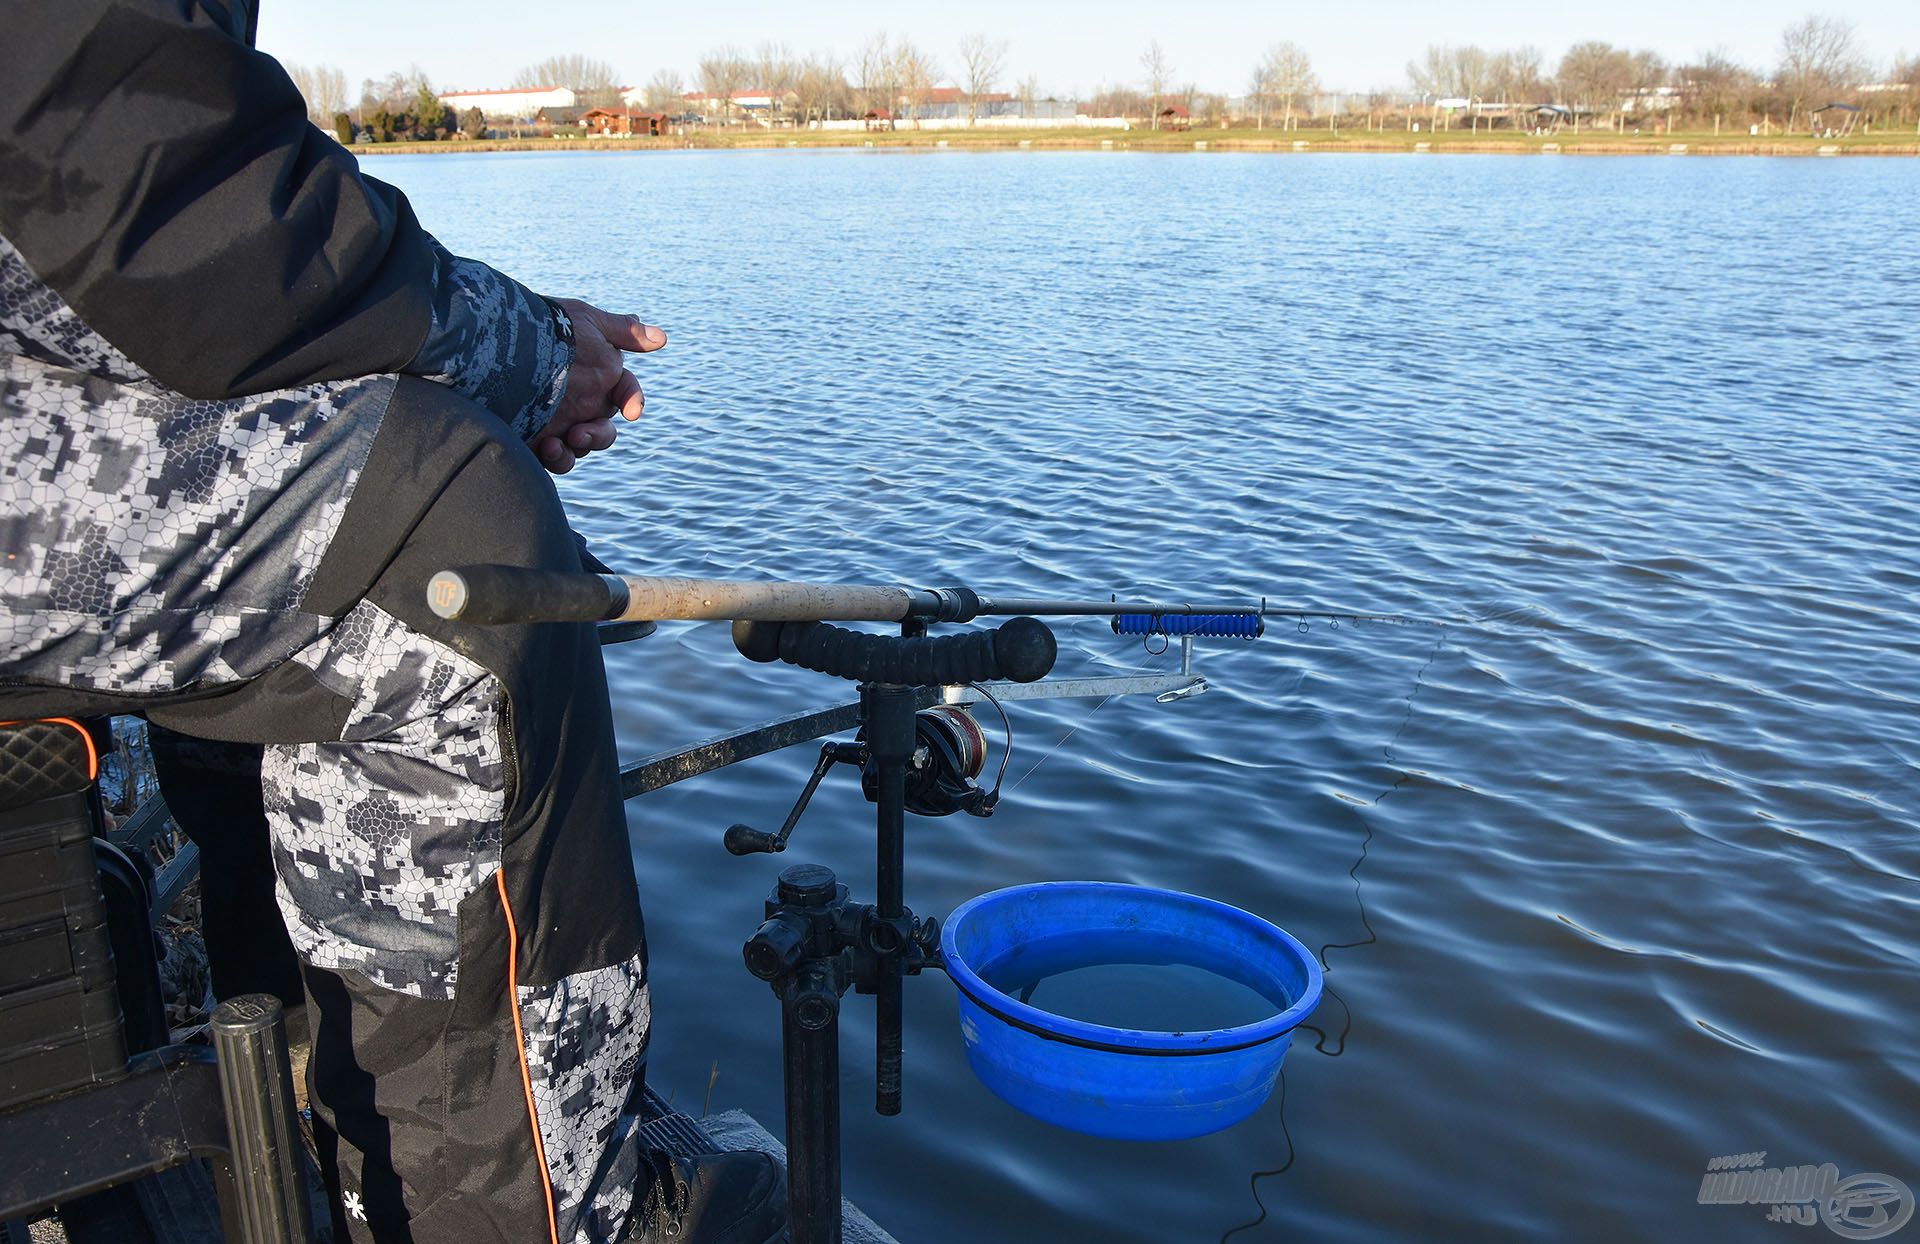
(1645,887)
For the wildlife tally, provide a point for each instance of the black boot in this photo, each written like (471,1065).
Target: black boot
(717,1198)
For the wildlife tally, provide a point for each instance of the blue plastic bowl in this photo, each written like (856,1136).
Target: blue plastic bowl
(1126,1083)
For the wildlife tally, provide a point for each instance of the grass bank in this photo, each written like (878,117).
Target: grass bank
(1502,142)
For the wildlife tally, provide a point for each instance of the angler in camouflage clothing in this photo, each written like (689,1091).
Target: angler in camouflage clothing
(247,407)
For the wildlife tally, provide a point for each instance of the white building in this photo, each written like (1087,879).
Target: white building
(510,104)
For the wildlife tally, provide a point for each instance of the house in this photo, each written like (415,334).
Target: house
(626,121)
(758,106)
(510,104)
(948,103)
(1175,117)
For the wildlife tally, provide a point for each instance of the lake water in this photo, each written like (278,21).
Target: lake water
(1617,870)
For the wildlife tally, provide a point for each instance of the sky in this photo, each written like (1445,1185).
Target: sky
(1073,47)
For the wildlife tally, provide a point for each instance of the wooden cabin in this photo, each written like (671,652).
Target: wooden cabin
(620,121)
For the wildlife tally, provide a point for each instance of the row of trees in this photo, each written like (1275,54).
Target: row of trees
(886,76)
(1820,62)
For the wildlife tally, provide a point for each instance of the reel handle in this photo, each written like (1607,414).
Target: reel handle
(746,840)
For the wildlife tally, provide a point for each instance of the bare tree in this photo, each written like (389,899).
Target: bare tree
(1593,76)
(775,70)
(1159,72)
(580,74)
(1117,101)
(915,71)
(1817,57)
(878,71)
(723,72)
(982,61)
(1516,76)
(1649,74)
(1906,72)
(1714,85)
(1260,90)
(395,92)
(1288,74)
(1429,75)
(1029,95)
(820,89)
(666,92)
(1472,69)
(1463,72)
(1432,76)
(324,88)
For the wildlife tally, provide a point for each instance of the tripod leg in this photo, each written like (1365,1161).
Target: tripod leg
(810,1042)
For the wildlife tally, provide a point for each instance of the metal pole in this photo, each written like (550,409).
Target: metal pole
(890,738)
(810,1046)
(256,1084)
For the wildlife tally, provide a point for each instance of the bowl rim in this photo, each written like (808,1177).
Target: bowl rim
(1144,1041)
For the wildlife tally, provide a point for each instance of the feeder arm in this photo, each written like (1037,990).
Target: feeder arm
(662,769)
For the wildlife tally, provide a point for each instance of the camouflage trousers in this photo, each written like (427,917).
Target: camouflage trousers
(450,848)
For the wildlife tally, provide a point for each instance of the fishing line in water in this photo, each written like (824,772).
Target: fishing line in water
(1154,668)
(1390,753)
(1253,1181)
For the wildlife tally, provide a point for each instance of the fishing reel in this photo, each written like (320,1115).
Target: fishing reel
(949,751)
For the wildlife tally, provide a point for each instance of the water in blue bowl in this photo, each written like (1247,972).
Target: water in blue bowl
(1104,980)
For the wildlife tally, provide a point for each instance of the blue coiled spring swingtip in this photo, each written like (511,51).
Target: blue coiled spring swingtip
(1208,625)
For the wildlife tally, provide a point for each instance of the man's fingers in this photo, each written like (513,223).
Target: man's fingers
(554,455)
(586,438)
(626,397)
(629,333)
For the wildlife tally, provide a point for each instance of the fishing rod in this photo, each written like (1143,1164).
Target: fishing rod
(502,595)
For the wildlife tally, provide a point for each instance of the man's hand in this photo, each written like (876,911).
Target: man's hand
(597,386)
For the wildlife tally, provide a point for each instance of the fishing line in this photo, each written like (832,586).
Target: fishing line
(1151,669)
(1062,743)
(1253,1181)
(1390,753)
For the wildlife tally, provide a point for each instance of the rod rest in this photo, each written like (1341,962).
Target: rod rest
(1021,650)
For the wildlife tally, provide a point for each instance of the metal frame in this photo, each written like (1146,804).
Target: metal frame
(678,764)
(164,1111)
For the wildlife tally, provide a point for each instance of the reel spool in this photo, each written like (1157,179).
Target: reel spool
(950,751)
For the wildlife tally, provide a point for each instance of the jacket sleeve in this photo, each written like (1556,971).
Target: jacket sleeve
(161,177)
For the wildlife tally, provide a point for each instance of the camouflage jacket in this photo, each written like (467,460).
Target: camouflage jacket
(203,306)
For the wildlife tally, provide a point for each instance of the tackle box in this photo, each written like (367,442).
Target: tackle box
(59,1012)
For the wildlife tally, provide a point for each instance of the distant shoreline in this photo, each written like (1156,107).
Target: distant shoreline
(1444,142)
